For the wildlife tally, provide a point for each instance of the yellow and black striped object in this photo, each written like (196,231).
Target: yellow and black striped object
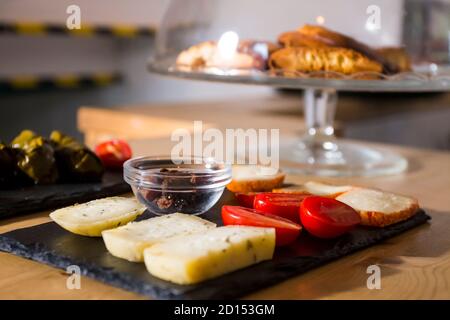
(41,29)
(66,81)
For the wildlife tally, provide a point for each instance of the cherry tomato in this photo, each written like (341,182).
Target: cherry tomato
(285,205)
(326,217)
(113,153)
(246,199)
(285,230)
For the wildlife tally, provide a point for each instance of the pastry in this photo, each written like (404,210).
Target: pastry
(318,37)
(250,54)
(330,59)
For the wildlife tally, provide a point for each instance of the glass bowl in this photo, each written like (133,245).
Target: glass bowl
(190,185)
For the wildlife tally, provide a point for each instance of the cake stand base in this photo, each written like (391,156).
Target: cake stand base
(320,153)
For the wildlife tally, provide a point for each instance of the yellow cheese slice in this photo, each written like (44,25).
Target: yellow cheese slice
(195,258)
(93,217)
(129,241)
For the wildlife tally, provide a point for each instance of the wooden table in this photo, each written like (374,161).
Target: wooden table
(414,265)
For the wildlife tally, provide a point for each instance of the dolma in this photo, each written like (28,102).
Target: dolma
(7,166)
(76,162)
(35,157)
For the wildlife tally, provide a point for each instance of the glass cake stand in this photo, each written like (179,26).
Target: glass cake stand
(318,152)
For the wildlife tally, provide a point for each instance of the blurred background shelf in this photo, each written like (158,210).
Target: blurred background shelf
(61,81)
(49,29)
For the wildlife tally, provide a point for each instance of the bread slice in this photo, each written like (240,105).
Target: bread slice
(129,241)
(91,218)
(198,257)
(378,208)
(255,178)
(315,188)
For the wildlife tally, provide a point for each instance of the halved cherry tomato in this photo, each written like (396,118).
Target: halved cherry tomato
(113,153)
(246,199)
(285,230)
(327,218)
(285,205)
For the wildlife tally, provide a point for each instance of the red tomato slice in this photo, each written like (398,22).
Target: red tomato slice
(246,199)
(113,153)
(285,205)
(326,217)
(285,230)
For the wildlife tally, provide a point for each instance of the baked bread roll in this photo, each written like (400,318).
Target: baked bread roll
(306,59)
(379,208)
(318,37)
(250,54)
(254,178)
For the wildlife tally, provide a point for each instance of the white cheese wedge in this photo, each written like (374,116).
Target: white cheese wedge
(129,241)
(379,208)
(93,217)
(195,258)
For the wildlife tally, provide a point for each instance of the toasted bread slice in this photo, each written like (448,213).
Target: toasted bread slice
(255,178)
(378,208)
(93,217)
(315,188)
(129,241)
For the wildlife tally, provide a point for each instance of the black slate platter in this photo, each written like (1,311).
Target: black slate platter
(45,197)
(50,244)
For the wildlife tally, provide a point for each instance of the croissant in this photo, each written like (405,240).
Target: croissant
(318,37)
(306,59)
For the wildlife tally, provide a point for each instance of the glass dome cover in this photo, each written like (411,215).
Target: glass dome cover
(321,46)
(413,30)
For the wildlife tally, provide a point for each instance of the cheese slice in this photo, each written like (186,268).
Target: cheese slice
(379,208)
(129,241)
(198,257)
(315,188)
(91,218)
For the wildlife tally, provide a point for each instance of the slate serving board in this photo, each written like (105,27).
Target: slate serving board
(46,197)
(50,244)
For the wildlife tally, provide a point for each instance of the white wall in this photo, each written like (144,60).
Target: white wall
(134,12)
